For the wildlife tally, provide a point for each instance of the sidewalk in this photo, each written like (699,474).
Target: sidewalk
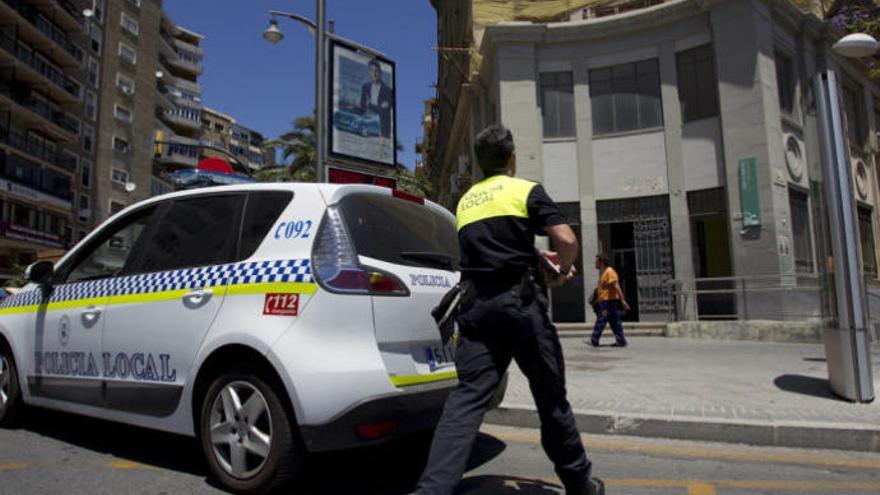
(726,391)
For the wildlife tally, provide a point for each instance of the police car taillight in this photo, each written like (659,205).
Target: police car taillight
(397,193)
(335,264)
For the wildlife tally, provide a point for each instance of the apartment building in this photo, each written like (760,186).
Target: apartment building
(47,108)
(679,137)
(149,92)
(245,145)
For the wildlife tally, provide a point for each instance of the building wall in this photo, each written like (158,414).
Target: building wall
(682,157)
(137,162)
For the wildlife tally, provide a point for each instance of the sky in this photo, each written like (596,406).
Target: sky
(265,87)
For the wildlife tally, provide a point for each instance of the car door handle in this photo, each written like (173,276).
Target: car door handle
(91,313)
(197,297)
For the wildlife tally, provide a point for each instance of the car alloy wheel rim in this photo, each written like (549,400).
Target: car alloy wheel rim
(5,378)
(241,429)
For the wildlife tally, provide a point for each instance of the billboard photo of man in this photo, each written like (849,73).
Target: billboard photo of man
(377,97)
(362,118)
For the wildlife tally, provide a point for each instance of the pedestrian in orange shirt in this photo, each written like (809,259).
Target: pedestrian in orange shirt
(608,296)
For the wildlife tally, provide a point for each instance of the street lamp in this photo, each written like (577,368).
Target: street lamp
(846,347)
(273,35)
(856,45)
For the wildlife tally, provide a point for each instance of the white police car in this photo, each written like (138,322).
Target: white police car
(268,320)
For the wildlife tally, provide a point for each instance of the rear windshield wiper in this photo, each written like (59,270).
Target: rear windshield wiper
(439,259)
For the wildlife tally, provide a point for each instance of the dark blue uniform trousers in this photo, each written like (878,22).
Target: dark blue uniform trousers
(496,328)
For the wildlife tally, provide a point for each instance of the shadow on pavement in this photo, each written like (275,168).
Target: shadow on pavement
(815,359)
(388,469)
(506,485)
(806,385)
(153,448)
(391,469)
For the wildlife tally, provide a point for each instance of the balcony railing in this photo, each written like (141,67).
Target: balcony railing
(51,31)
(27,57)
(39,107)
(37,149)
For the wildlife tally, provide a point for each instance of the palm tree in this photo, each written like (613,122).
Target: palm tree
(297,148)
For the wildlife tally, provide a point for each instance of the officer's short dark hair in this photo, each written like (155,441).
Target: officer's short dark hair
(604,259)
(493,148)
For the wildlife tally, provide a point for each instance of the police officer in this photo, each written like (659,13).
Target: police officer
(503,316)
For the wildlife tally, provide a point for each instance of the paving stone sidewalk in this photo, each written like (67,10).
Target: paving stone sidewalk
(747,392)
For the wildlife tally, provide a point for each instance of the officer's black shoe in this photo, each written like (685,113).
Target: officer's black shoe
(596,487)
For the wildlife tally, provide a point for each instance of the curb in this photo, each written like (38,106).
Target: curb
(810,435)
(584,332)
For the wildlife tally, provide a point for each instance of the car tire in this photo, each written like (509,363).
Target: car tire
(10,392)
(247,435)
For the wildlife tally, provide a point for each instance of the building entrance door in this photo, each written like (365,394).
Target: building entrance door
(635,233)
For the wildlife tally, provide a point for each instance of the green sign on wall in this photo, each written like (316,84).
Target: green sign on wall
(750,203)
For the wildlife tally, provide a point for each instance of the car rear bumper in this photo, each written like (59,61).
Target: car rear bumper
(412,412)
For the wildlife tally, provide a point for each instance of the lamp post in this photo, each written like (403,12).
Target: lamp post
(274,35)
(846,347)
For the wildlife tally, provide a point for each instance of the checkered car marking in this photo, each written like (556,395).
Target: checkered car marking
(244,273)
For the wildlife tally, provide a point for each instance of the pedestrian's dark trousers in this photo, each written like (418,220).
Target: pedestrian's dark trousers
(499,326)
(608,313)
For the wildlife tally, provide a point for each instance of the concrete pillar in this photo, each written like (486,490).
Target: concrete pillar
(518,96)
(586,178)
(679,216)
(751,128)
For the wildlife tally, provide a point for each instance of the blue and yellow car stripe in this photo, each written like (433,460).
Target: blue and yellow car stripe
(246,278)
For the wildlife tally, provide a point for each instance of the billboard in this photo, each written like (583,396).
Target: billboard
(363,111)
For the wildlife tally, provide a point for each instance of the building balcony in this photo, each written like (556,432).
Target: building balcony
(182,119)
(36,149)
(56,124)
(38,31)
(61,12)
(35,191)
(166,47)
(185,65)
(181,154)
(30,69)
(165,99)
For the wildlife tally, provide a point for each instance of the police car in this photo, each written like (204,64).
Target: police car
(268,320)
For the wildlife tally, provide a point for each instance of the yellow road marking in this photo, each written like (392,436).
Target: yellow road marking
(12,466)
(700,489)
(701,452)
(127,465)
(707,487)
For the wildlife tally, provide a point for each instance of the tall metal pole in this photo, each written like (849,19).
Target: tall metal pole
(320,127)
(846,347)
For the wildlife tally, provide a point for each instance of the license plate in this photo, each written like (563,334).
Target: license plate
(440,356)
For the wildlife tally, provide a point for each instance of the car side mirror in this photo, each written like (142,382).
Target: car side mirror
(40,273)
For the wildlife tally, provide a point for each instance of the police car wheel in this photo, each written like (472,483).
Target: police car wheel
(247,435)
(10,394)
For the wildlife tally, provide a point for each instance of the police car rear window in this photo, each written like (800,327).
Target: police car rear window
(263,208)
(397,231)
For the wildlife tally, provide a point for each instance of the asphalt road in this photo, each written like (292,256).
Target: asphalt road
(59,453)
